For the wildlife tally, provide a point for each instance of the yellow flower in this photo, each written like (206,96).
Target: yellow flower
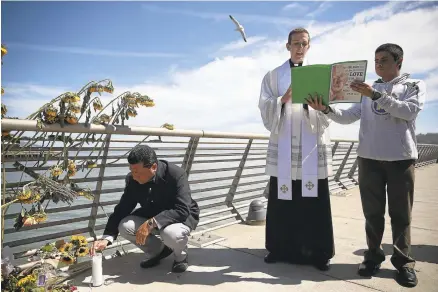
(79,240)
(71,119)
(35,197)
(109,89)
(40,217)
(168,126)
(131,112)
(97,105)
(4,110)
(67,259)
(24,195)
(105,118)
(149,104)
(75,108)
(56,170)
(29,279)
(82,251)
(51,111)
(71,165)
(67,247)
(4,50)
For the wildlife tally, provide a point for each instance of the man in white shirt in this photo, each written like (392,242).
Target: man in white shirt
(298,221)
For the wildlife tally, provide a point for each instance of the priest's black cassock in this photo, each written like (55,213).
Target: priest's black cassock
(299,230)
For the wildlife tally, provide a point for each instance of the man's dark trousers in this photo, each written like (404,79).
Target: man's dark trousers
(397,179)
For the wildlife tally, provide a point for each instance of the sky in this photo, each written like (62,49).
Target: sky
(188,58)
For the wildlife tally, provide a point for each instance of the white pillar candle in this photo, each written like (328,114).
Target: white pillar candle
(97,274)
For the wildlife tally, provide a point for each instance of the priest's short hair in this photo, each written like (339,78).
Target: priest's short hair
(297,30)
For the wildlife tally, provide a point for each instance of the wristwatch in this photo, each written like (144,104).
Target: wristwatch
(327,110)
(376,95)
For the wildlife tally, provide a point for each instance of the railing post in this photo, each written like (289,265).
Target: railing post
(334,148)
(341,167)
(235,183)
(96,200)
(353,170)
(190,155)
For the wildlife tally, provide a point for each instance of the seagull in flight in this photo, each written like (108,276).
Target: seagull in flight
(239,28)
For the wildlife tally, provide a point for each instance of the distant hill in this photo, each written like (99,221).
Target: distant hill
(429,138)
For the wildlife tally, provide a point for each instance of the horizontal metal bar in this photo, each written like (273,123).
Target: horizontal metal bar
(51,224)
(32,125)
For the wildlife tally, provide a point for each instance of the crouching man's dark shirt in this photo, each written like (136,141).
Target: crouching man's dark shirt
(167,198)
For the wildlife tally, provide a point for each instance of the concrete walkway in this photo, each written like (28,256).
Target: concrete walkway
(236,264)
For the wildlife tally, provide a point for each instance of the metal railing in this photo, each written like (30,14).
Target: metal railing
(226,172)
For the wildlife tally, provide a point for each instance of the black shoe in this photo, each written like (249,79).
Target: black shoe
(406,277)
(270,258)
(368,269)
(180,267)
(323,265)
(156,260)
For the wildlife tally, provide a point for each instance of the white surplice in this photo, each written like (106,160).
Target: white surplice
(298,136)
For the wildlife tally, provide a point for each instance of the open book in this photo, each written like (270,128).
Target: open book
(331,81)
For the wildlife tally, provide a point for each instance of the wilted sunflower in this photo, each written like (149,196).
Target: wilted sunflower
(109,88)
(56,170)
(40,217)
(168,126)
(105,118)
(6,133)
(131,112)
(129,99)
(50,111)
(29,221)
(97,105)
(74,108)
(96,88)
(91,164)
(4,110)
(85,194)
(70,97)
(3,91)
(146,101)
(71,165)
(35,197)
(71,119)
(50,119)
(71,172)
(4,50)
(25,194)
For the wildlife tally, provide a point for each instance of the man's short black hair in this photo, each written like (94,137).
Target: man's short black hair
(394,50)
(142,153)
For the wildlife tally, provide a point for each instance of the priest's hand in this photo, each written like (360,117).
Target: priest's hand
(315,102)
(143,232)
(287,96)
(362,88)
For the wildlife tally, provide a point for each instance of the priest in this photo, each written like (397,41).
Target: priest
(299,226)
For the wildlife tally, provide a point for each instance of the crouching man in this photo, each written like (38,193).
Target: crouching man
(163,192)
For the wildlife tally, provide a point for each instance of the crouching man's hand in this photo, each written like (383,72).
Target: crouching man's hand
(143,231)
(98,245)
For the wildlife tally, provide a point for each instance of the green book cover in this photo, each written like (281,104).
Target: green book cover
(310,79)
(332,81)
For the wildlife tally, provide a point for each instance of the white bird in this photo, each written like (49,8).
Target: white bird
(239,28)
